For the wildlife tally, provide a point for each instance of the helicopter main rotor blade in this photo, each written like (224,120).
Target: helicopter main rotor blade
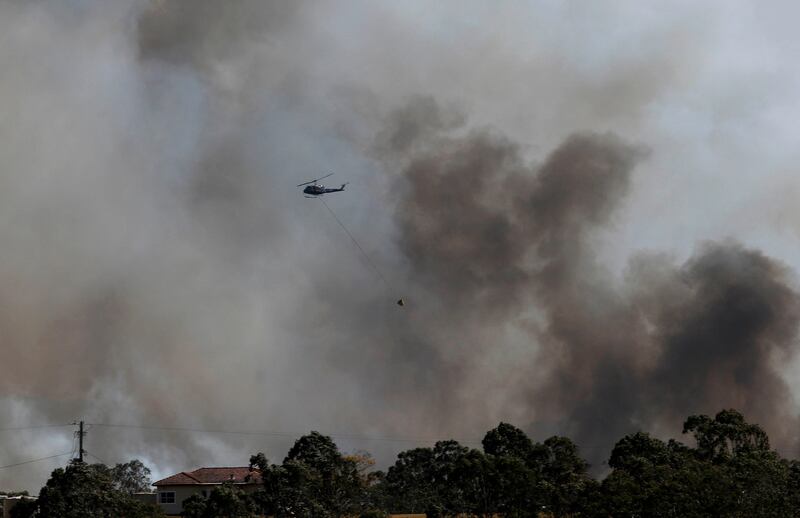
(318,179)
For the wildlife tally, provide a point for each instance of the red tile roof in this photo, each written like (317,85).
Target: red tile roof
(237,475)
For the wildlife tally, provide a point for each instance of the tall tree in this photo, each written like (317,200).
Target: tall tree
(315,480)
(653,478)
(564,476)
(410,482)
(507,441)
(517,482)
(726,435)
(131,477)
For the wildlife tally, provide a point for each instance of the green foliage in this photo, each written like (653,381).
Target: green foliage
(652,478)
(84,490)
(515,489)
(514,476)
(410,482)
(131,477)
(194,507)
(507,441)
(725,436)
(314,450)
(731,472)
(259,461)
(565,480)
(225,501)
(315,480)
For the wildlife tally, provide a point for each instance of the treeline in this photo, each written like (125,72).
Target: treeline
(730,471)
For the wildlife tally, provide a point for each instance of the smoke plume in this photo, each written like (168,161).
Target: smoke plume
(495,239)
(568,216)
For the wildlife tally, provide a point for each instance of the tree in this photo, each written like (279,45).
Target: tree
(131,477)
(84,490)
(759,484)
(410,481)
(372,494)
(792,494)
(330,480)
(726,435)
(507,441)
(475,474)
(316,451)
(516,483)
(563,477)
(515,488)
(756,479)
(448,479)
(226,501)
(513,476)
(638,453)
(364,463)
(195,507)
(730,472)
(450,496)
(315,480)
(653,478)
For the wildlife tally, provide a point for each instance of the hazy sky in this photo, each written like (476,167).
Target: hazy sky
(159,268)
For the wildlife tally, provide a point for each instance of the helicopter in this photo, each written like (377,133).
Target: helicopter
(313,190)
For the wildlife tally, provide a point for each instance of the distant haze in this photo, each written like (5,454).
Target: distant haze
(589,210)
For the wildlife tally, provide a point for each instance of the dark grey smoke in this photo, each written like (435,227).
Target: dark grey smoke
(206,33)
(496,239)
(724,335)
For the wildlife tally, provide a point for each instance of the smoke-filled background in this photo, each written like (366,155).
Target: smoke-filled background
(590,210)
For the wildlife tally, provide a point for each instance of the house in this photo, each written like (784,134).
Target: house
(8,502)
(172,491)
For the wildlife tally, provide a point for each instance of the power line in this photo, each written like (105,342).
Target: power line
(34,460)
(267,433)
(18,428)
(96,457)
(74,446)
(276,434)
(264,433)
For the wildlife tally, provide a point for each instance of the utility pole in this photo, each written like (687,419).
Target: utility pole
(80,433)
